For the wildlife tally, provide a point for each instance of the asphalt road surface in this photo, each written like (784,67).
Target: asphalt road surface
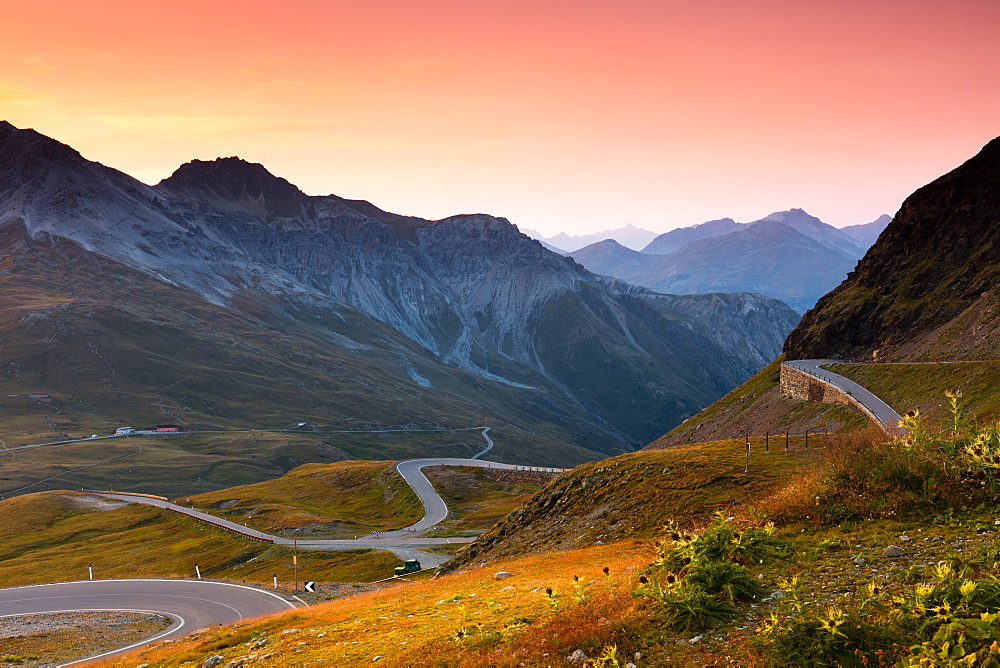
(435,509)
(881,411)
(190,604)
(404,543)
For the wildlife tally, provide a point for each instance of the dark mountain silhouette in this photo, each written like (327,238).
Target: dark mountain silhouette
(927,288)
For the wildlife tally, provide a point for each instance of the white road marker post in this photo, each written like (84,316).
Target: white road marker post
(197,571)
(275,580)
(90,570)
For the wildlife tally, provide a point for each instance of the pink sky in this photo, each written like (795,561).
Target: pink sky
(562,116)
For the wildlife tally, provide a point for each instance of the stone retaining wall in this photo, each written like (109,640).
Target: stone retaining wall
(800,385)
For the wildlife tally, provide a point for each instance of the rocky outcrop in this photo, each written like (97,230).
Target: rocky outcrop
(938,257)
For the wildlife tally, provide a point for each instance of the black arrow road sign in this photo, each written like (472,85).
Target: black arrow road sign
(310,586)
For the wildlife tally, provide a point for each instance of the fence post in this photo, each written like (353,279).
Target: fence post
(767,443)
(786,440)
(746,469)
(807,439)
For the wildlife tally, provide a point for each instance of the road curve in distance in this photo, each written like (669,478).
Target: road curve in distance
(435,509)
(404,542)
(189,604)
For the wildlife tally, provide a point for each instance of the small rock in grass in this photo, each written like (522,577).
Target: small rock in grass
(502,575)
(695,640)
(860,561)
(376,658)
(212,661)
(577,657)
(904,539)
(893,551)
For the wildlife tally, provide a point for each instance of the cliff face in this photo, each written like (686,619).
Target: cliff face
(925,290)
(440,302)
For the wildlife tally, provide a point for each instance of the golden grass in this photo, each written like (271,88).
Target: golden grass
(476,501)
(339,500)
(70,530)
(465,619)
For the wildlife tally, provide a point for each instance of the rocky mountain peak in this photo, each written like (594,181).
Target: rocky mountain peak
(936,260)
(236,184)
(24,151)
(791,215)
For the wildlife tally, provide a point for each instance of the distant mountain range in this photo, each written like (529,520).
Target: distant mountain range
(225,296)
(628,236)
(927,289)
(788,255)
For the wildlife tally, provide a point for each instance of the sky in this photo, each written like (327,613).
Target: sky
(573,116)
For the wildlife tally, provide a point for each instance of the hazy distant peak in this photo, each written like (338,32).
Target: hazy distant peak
(867,233)
(629,236)
(813,227)
(668,242)
(791,216)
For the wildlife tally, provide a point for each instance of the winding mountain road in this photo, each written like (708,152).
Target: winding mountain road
(405,543)
(876,408)
(189,604)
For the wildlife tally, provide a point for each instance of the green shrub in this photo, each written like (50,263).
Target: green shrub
(835,638)
(721,541)
(697,580)
(686,606)
(917,473)
(729,579)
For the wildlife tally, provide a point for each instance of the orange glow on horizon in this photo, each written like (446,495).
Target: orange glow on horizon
(574,116)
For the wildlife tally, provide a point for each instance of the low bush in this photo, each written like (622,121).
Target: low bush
(869,476)
(697,580)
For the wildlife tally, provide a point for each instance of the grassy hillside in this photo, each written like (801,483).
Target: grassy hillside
(475,500)
(52,536)
(884,554)
(185,464)
(757,406)
(71,530)
(341,500)
(922,387)
(636,495)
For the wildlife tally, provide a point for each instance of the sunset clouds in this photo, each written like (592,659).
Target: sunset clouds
(559,115)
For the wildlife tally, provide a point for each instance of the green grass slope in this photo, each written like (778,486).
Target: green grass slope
(341,500)
(635,495)
(758,407)
(908,387)
(70,531)
(819,587)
